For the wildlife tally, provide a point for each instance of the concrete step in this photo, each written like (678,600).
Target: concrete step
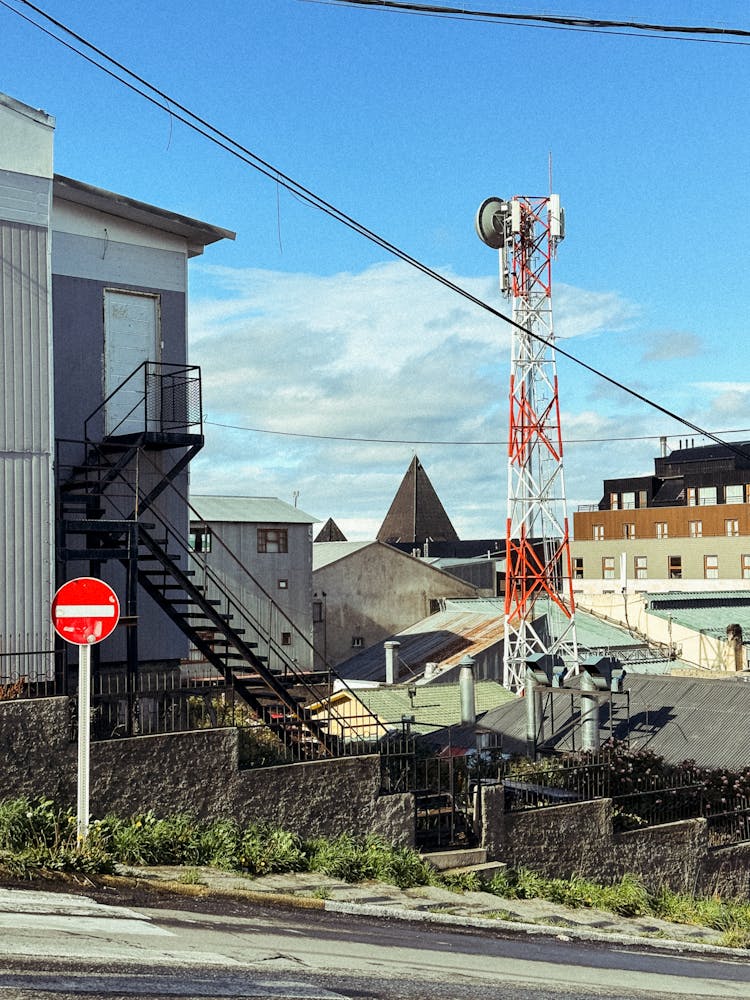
(464,857)
(485,873)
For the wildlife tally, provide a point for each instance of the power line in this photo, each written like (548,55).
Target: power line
(553,20)
(200,125)
(432,441)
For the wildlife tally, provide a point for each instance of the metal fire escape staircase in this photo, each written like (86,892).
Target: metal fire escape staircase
(102,501)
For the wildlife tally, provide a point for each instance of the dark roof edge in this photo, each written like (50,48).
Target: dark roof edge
(198,234)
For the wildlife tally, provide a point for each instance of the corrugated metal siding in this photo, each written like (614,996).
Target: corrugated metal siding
(25,441)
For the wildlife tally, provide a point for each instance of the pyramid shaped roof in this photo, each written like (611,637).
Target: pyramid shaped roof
(416,513)
(330,532)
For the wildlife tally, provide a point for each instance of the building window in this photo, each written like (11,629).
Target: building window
(199,539)
(731,526)
(707,496)
(734,494)
(578,568)
(628,501)
(286,638)
(598,532)
(628,531)
(674,568)
(358,641)
(642,498)
(283,584)
(662,529)
(640,565)
(608,567)
(711,567)
(317,611)
(614,501)
(745,565)
(272,540)
(695,529)
(691,500)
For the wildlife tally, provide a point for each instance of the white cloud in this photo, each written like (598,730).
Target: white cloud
(381,354)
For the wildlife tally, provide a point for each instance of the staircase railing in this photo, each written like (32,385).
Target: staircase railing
(167,398)
(201,591)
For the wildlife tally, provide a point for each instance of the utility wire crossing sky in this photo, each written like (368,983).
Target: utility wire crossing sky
(340,367)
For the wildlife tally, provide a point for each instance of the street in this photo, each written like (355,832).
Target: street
(66,945)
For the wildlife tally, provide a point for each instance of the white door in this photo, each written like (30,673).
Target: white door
(132,335)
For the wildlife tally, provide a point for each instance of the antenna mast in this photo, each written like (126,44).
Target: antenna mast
(539,605)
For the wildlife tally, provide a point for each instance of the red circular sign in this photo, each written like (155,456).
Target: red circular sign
(85,611)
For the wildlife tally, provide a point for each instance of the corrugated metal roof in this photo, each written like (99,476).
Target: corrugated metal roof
(704,611)
(248,510)
(434,706)
(442,638)
(325,553)
(679,718)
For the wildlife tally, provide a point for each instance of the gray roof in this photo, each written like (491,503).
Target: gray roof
(679,718)
(246,510)
(198,234)
(325,553)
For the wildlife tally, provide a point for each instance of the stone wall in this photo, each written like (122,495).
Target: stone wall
(578,839)
(196,773)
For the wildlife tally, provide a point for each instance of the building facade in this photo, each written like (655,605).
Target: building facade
(93,328)
(261,547)
(688,521)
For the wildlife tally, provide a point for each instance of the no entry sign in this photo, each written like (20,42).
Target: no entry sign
(85,611)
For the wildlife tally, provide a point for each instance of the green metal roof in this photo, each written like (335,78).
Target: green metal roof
(434,706)
(709,612)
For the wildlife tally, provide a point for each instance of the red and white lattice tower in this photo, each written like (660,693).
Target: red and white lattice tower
(539,605)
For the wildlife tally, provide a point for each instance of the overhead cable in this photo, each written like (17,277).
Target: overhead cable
(200,125)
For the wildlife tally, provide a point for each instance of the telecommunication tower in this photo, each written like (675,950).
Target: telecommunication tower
(539,605)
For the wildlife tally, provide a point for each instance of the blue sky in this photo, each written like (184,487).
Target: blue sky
(407,123)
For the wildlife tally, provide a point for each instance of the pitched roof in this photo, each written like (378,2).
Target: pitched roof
(678,718)
(442,638)
(247,510)
(325,553)
(433,707)
(416,513)
(330,532)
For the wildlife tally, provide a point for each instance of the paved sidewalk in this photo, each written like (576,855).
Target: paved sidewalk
(433,904)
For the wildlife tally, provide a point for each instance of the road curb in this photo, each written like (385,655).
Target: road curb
(541,930)
(456,920)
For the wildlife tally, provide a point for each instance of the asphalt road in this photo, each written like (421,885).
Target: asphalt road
(65,946)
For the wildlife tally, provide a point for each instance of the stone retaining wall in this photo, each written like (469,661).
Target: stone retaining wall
(197,773)
(578,839)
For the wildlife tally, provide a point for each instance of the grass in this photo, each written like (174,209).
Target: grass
(37,838)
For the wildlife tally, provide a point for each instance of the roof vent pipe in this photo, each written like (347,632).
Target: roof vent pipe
(467,691)
(391,661)
(589,712)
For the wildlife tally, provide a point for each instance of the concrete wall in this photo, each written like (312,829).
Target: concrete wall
(373,593)
(579,840)
(707,651)
(195,773)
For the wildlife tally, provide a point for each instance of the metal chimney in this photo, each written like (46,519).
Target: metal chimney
(467,691)
(589,712)
(391,661)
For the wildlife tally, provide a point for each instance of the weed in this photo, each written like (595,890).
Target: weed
(191,876)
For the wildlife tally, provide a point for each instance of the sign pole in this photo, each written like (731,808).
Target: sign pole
(84,739)
(84,611)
